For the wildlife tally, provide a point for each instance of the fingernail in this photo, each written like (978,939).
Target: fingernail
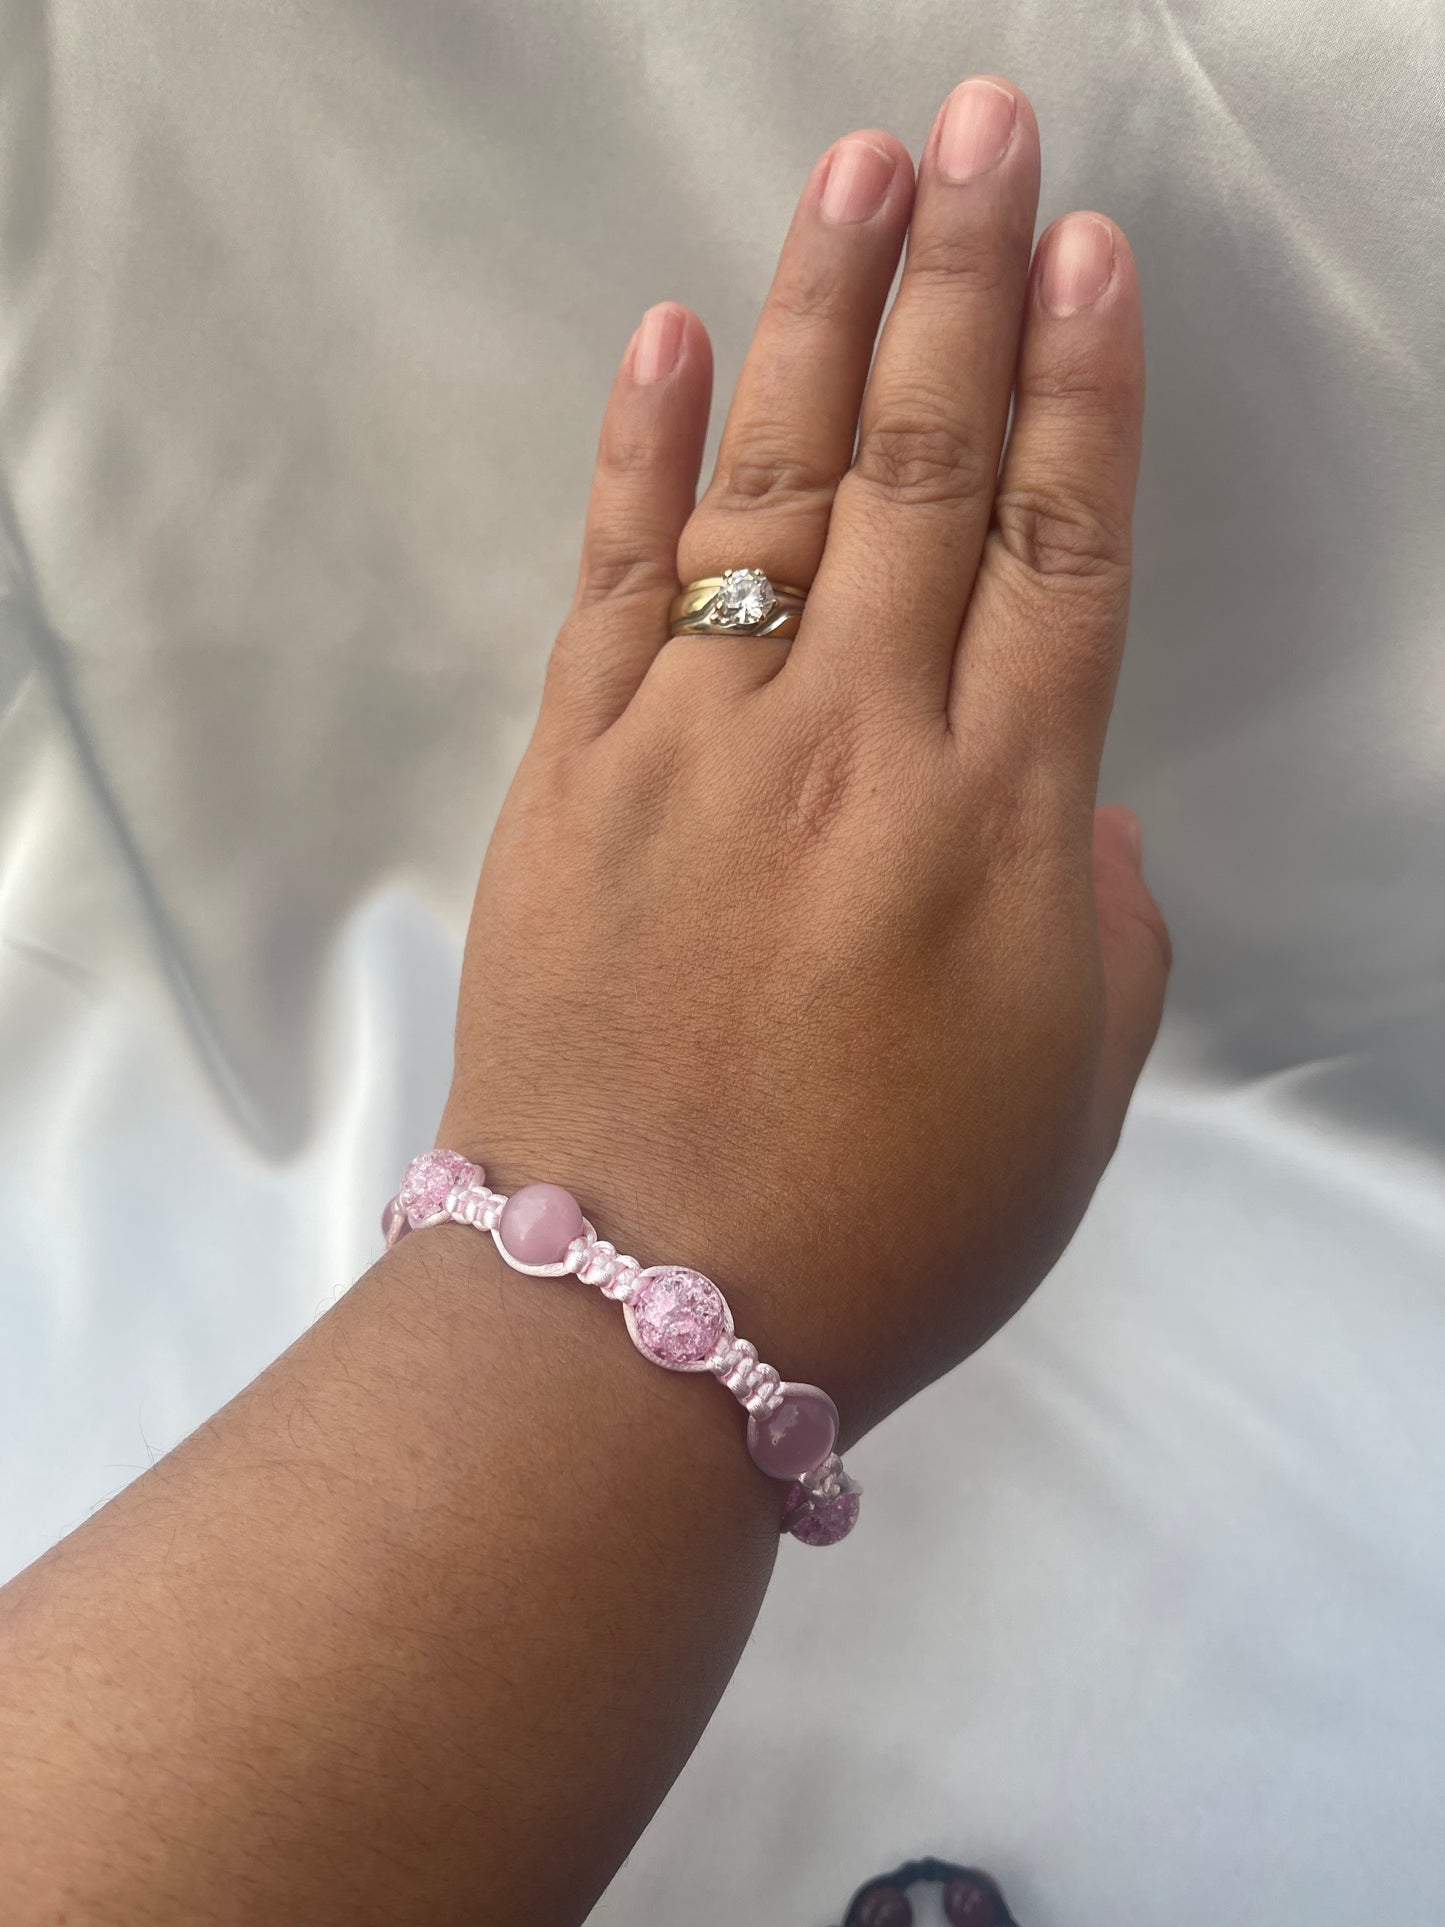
(978,119)
(1133,836)
(658,342)
(1078,264)
(858,178)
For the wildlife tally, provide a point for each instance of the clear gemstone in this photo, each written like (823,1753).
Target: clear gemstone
(745,596)
(677,1316)
(428,1183)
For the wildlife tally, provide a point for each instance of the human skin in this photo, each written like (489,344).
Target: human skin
(814,967)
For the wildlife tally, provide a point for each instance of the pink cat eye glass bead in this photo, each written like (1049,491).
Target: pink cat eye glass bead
(538,1223)
(799,1433)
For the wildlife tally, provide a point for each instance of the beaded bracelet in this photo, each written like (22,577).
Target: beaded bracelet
(675,1316)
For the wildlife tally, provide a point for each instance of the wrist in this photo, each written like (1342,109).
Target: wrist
(549,1364)
(676,1317)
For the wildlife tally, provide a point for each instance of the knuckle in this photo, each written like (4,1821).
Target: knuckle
(1058,534)
(759,474)
(614,572)
(948,262)
(1061,382)
(920,457)
(807,296)
(623,452)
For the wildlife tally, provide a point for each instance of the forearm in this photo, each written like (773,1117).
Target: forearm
(425,1621)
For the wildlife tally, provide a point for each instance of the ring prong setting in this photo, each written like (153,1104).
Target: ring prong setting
(745,600)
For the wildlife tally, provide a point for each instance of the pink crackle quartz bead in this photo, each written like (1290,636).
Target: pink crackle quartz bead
(796,1435)
(826,1524)
(538,1223)
(677,1316)
(429,1182)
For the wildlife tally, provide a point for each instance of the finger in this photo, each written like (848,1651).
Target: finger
(1045,630)
(790,429)
(1134,943)
(911,514)
(643,489)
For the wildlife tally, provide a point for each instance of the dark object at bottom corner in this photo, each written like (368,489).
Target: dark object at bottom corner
(971,1898)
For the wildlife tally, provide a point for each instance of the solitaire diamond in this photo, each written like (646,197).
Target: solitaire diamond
(746,597)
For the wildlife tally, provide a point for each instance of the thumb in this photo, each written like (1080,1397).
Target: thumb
(1134,944)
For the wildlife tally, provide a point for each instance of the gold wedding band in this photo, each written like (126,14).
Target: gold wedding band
(741,602)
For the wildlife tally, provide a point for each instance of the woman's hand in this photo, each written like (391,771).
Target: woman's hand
(795,965)
(813,966)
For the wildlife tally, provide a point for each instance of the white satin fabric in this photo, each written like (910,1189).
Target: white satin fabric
(306,318)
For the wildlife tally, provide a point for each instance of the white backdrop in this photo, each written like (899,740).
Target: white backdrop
(306,318)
